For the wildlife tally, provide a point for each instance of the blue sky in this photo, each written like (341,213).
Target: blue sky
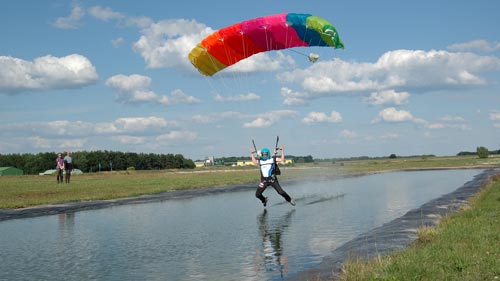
(415,77)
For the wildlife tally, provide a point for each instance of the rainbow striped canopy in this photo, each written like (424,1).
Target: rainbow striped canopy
(231,44)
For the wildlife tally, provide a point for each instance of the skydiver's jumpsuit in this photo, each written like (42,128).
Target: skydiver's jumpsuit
(267,178)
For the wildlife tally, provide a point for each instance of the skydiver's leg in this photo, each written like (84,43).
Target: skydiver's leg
(280,191)
(259,191)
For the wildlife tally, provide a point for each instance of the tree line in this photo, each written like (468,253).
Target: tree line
(94,161)
(234,159)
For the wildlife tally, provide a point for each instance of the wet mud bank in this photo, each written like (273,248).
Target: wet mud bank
(398,233)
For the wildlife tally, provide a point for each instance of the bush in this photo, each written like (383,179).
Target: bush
(482,152)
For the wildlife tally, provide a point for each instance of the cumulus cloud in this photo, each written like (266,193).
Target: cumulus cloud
(398,70)
(393,115)
(215,117)
(167,43)
(269,118)
(72,129)
(476,45)
(45,73)
(72,20)
(495,116)
(388,97)
(293,97)
(135,88)
(178,96)
(105,13)
(321,117)
(117,42)
(184,136)
(348,134)
(125,139)
(242,97)
(74,135)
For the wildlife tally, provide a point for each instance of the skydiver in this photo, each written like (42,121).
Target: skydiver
(268,174)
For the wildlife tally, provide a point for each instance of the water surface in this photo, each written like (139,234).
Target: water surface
(226,236)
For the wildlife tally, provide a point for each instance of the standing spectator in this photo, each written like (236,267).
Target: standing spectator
(68,165)
(59,168)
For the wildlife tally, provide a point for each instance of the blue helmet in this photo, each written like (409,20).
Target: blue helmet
(265,151)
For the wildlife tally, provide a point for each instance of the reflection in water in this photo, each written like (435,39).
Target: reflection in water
(271,233)
(66,220)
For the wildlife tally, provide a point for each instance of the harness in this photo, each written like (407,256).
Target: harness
(271,174)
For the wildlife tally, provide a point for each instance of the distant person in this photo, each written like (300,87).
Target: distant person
(68,165)
(268,174)
(59,168)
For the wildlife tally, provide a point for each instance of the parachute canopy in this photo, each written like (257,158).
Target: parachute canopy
(231,44)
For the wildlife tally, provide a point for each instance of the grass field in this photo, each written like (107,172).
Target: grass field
(24,191)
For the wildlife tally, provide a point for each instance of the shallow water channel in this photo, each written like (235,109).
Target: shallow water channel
(226,236)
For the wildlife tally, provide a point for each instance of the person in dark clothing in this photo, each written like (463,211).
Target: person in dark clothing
(268,174)
(68,166)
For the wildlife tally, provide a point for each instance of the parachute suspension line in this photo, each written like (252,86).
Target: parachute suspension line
(295,51)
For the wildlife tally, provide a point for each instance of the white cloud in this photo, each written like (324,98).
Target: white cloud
(390,136)
(395,70)
(178,96)
(117,42)
(242,97)
(135,89)
(45,73)
(167,43)
(184,136)
(215,117)
(124,139)
(321,117)
(293,97)
(38,142)
(388,97)
(105,13)
(476,45)
(268,119)
(392,115)
(72,20)
(495,116)
(72,129)
(449,118)
(348,134)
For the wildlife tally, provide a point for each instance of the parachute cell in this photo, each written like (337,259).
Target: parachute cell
(231,44)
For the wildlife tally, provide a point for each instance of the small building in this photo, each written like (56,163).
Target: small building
(250,163)
(245,163)
(11,171)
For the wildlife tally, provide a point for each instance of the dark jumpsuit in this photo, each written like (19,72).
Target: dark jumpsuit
(268,178)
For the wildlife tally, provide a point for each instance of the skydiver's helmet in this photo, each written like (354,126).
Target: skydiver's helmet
(265,153)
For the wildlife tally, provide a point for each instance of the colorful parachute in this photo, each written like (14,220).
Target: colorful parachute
(231,44)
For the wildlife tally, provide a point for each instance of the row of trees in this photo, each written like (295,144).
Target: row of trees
(93,161)
(481,151)
(296,159)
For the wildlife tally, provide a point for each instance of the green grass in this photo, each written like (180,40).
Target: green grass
(24,191)
(464,246)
